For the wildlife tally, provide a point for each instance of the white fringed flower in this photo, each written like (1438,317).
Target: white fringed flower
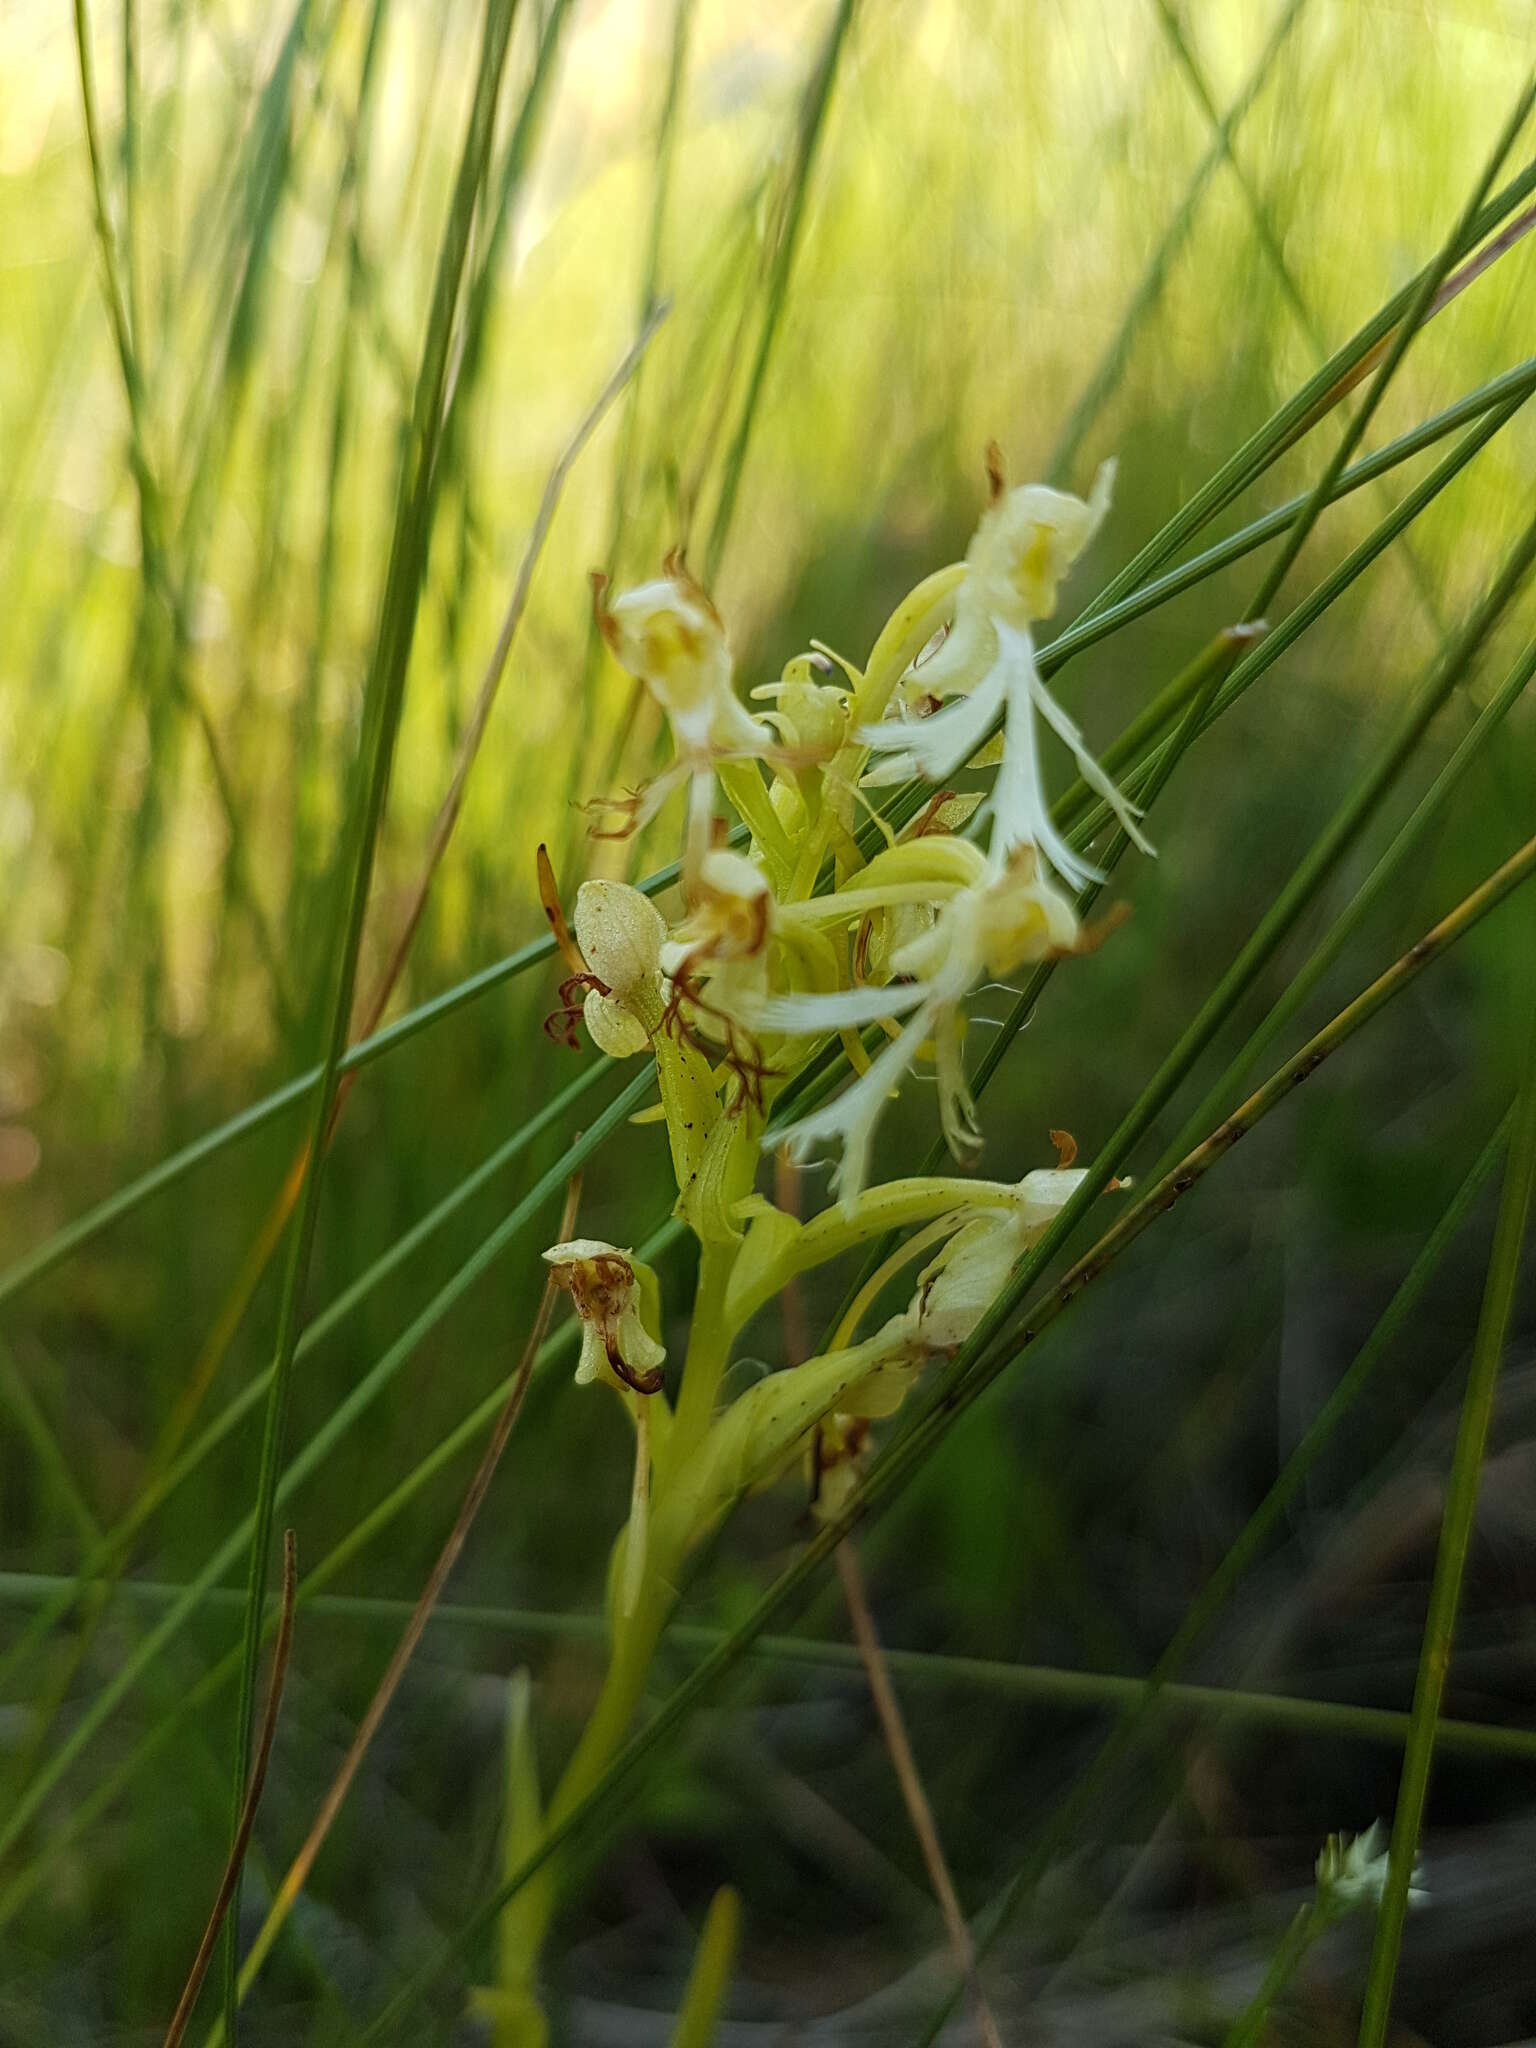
(1352,1872)
(985,670)
(1011,914)
(615,1344)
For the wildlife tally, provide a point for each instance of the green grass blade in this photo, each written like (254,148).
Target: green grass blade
(1049,1684)
(114,1547)
(1455,1539)
(1085,1799)
(1274,255)
(813,113)
(382,703)
(72,1236)
(1283,637)
(1427,284)
(1405,841)
(309,1460)
(1098,625)
(1111,367)
(86,1811)
(1269,441)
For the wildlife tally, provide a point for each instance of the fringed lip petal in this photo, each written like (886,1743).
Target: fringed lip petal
(945,740)
(1092,771)
(808,1016)
(1021,812)
(852,1116)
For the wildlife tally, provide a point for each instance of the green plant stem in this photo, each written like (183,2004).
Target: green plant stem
(1455,1539)
(1248,2028)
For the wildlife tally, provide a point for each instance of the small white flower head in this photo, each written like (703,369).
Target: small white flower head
(1008,914)
(615,1344)
(669,636)
(1014,915)
(1352,1872)
(620,934)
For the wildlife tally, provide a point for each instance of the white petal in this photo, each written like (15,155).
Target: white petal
(853,1115)
(1096,777)
(810,1015)
(946,740)
(1021,812)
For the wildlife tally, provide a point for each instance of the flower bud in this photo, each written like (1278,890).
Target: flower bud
(615,1344)
(1026,543)
(669,635)
(957,1289)
(732,912)
(808,716)
(620,933)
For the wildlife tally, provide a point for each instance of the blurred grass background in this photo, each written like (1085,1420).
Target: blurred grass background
(1002,222)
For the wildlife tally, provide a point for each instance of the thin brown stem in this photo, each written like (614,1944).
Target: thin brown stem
(469,746)
(258,1777)
(1453,286)
(297,1874)
(1197,1163)
(915,1799)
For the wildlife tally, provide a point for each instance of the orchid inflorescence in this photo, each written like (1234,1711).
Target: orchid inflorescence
(777,944)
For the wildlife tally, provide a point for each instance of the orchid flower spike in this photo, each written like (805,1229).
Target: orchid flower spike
(1025,544)
(669,636)
(615,1344)
(1009,914)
